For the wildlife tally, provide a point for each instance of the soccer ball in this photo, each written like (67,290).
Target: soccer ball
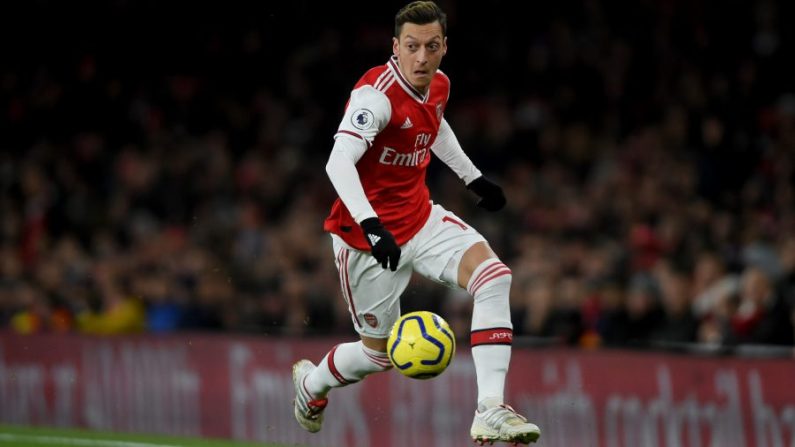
(421,345)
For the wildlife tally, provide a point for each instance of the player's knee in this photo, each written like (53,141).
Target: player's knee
(492,278)
(475,257)
(378,361)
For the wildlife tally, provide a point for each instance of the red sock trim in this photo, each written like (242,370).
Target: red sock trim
(380,361)
(501,270)
(491,336)
(491,265)
(333,368)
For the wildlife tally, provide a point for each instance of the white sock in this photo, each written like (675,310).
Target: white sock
(345,364)
(492,331)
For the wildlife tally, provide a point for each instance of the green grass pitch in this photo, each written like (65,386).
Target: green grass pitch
(55,437)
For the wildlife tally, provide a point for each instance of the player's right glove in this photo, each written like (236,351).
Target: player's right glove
(491,196)
(382,244)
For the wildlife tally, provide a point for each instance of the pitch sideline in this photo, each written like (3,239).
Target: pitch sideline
(73,441)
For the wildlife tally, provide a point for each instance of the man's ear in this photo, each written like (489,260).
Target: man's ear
(395,46)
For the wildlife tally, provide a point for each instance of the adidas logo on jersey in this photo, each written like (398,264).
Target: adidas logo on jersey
(373,239)
(407,124)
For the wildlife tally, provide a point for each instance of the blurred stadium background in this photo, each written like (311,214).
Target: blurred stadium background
(162,193)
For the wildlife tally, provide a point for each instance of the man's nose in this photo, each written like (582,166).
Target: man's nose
(422,56)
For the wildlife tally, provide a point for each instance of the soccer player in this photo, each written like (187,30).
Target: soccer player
(384,226)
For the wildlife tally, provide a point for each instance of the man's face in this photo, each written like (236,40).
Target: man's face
(419,50)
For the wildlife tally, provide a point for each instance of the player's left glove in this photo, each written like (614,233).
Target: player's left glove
(491,196)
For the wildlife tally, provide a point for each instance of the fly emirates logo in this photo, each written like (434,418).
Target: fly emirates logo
(392,157)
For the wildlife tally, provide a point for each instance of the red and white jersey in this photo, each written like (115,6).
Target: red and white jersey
(399,125)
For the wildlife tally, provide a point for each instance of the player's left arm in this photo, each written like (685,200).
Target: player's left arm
(449,150)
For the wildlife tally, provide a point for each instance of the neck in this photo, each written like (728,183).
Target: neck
(422,90)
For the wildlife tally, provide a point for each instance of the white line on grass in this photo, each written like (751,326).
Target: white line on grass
(60,440)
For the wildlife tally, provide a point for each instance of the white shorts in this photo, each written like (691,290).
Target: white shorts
(373,292)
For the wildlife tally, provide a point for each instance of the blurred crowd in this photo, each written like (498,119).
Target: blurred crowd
(163,166)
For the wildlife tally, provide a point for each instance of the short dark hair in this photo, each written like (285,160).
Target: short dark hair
(421,12)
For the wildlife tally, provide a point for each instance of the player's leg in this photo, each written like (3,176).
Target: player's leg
(488,280)
(372,294)
(453,253)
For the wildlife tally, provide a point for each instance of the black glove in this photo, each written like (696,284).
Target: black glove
(491,195)
(384,248)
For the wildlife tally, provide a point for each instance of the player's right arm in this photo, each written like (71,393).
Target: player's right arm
(367,114)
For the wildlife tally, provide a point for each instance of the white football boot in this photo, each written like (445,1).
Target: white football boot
(308,410)
(502,423)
